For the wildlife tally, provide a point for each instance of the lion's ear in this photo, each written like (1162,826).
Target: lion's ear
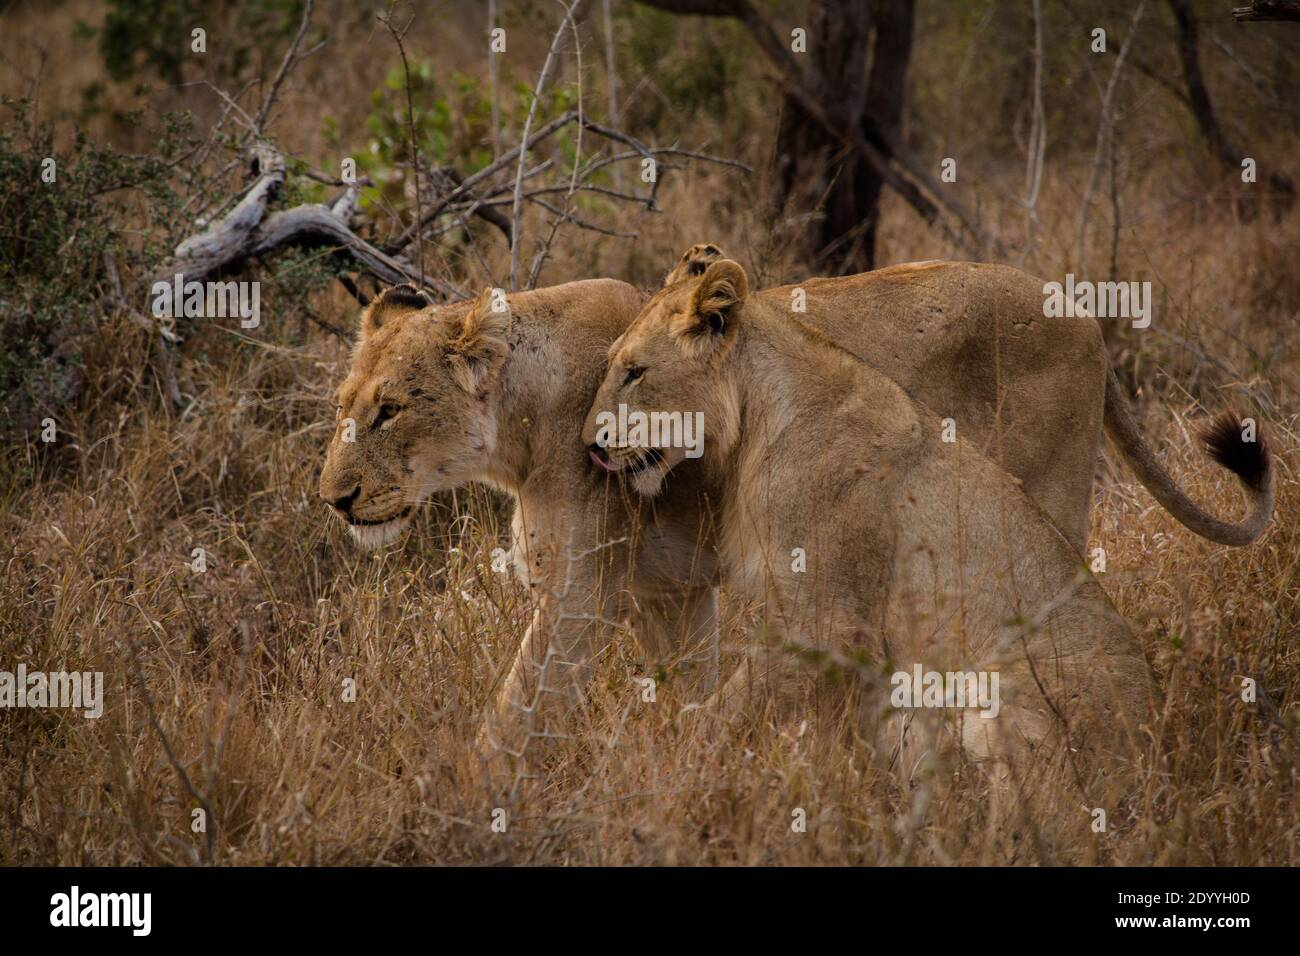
(715,304)
(392,302)
(481,341)
(693,262)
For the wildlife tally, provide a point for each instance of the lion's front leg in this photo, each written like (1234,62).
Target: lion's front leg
(546,683)
(680,624)
(575,612)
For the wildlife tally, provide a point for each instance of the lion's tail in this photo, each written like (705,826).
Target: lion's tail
(1250,461)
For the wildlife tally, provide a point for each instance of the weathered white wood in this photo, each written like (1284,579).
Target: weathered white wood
(247,231)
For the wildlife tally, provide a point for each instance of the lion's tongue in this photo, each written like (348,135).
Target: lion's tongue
(603,463)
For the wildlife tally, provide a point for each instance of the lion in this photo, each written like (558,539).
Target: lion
(495,390)
(868,537)
(1033,392)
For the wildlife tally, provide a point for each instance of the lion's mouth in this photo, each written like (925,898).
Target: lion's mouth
(373,522)
(638,463)
(371,533)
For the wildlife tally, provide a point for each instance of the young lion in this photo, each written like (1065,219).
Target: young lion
(1032,392)
(868,536)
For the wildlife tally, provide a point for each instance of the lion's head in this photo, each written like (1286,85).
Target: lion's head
(416,413)
(665,374)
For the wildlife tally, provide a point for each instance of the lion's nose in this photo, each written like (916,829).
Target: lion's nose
(345,503)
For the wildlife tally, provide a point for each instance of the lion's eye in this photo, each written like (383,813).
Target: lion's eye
(634,374)
(387,412)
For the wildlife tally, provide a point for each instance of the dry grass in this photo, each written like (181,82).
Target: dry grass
(244,666)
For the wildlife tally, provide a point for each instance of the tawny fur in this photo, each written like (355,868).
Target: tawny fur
(916,549)
(501,398)
(1032,392)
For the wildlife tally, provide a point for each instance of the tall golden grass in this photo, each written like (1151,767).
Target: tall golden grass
(225,689)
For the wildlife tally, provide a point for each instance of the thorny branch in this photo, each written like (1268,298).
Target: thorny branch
(252,228)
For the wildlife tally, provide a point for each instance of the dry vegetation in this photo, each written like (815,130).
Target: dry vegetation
(239,670)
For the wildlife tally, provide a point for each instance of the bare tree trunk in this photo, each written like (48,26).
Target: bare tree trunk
(1197,94)
(886,89)
(837,51)
(1198,101)
(815,173)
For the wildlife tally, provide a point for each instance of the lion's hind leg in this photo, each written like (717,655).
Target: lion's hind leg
(1074,693)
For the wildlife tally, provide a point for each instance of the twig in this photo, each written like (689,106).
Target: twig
(465,189)
(1105,130)
(611,76)
(528,124)
(501,162)
(210,822)
(1268,10)
(387,21)
(241,677)
(544,251)
(265,110)
(1037,147)
(581,223)
(492,81)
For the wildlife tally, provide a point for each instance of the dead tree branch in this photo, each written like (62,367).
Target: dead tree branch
(1207,120)
(290,56)
(492,168)
(1268,10)
(559,219)
(414,145)
(246,227)
(464,195)
(1105,130)
(528,124)
(248,231)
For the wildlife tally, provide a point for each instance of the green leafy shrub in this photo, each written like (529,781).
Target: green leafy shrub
(64,221)
(694,70)
(154,35)
(453,127)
